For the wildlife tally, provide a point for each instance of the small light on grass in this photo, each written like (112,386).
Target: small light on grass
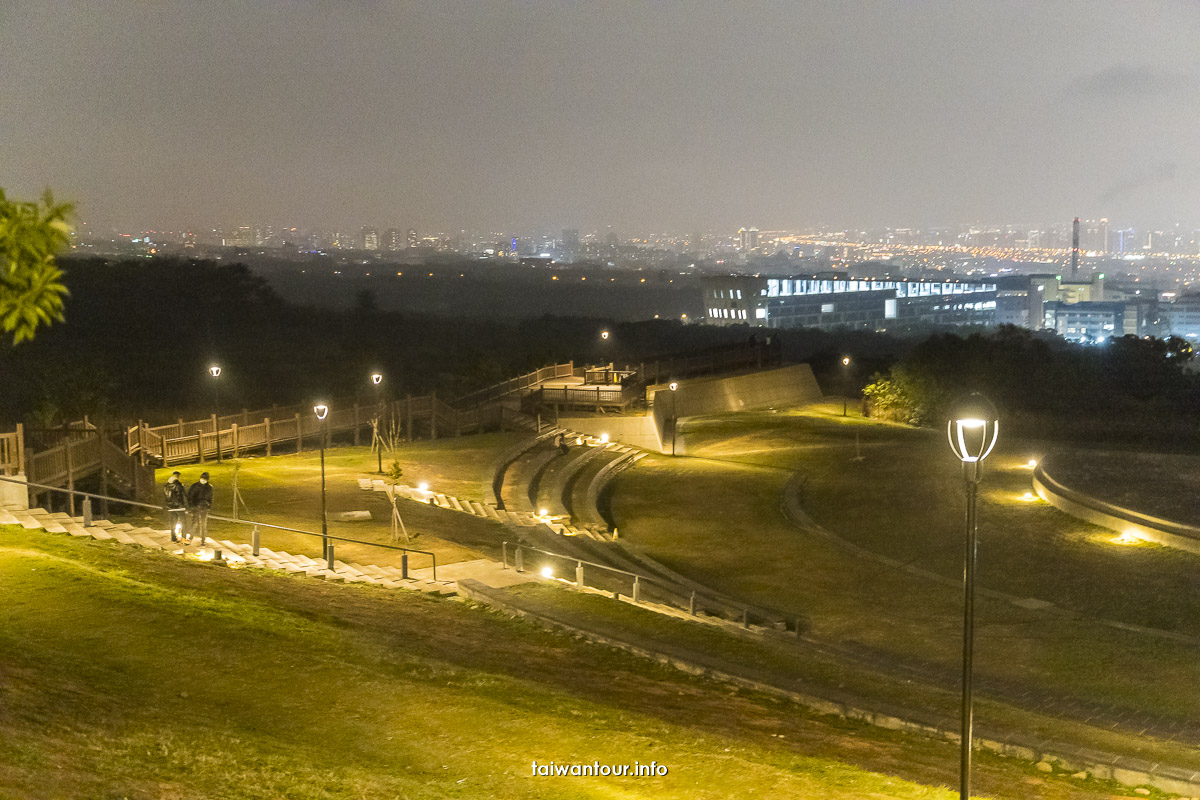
(1128,537)
(543,512)
(1032,464)
(604,438)
(1028,497)
(547,572)
(422,487)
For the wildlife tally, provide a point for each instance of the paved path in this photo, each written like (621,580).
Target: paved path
(236,554)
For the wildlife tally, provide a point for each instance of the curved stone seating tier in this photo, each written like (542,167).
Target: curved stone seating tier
(1062,487)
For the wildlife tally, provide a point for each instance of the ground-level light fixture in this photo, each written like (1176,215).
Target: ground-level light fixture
(972,429)
(543,512)
(604,438)
(547,572)
(422,487)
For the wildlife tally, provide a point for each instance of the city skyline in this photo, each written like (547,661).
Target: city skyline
(539,116)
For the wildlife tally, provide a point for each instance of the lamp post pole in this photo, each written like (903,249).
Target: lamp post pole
(845,382)
(377,381)
(322,411)
(673,385)
(215,371)
(972,431)
(971,474)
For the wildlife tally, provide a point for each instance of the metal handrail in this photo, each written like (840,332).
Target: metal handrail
(637,579)
(164,509)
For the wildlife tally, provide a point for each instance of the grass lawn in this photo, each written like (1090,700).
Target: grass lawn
(131,674)
(716,516)
(286,490)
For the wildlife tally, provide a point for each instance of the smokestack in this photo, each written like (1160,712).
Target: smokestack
(1075,250)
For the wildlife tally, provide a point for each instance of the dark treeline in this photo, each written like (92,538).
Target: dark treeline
(140,335)
(1126,389)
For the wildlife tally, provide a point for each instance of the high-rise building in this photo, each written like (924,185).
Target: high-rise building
(393,239)
(570,243)
(368,238)
(412,238)
(1104,235)
(748,239)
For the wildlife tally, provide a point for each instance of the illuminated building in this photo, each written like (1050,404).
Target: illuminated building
(811,302)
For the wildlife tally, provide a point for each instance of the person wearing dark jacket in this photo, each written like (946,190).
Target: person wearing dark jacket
(199,500)
(176,500)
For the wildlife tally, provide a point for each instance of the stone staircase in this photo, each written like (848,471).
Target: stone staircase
(236,555)
(538,472)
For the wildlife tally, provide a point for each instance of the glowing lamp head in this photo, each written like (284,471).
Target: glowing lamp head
(603,334)
(547,572)
(972,428)
(604,438)
(376,378)
(215,371)
(673,385)
(423,487)
(321,410)
(845,361)
(543,512)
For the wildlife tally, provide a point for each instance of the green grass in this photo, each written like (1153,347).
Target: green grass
(286,490)
(132,674)
(716,516)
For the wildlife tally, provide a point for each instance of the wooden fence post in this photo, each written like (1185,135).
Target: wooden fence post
(21,451)
(245,417)
(267,423)
(70,474)
(216,429)
(199,447)
(104,481)
(142,443)
(299,435)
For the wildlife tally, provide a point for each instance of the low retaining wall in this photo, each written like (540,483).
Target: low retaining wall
(1063,755)
(1114,517)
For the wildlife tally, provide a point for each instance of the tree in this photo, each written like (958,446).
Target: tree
(31,288)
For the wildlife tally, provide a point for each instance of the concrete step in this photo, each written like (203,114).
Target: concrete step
(8,518)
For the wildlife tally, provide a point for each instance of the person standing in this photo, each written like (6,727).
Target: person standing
(176,500)
(199,500)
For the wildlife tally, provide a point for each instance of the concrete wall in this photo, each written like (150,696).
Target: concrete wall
(771,388)
(14,494)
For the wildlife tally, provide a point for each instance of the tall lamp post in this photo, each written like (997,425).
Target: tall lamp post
(845,381)
(322,411)
(377,382)
(215,371)
(972,431)
(673,386)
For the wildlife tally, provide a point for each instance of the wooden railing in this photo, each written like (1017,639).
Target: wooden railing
(517,385)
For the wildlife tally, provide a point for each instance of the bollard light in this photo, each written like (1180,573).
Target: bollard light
(972,429)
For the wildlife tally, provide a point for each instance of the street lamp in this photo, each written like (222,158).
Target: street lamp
(377,382)
(322,411)
(215,371)
(845,381)
(604,335)
(972,431)
(673,385)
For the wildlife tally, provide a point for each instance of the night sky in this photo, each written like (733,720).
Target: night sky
(642,116)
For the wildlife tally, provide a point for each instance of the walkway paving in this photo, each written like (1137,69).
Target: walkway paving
(236,554)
